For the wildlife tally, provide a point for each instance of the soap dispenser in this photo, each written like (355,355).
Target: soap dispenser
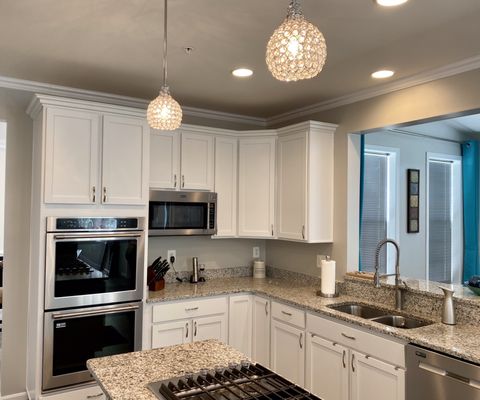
(448,312)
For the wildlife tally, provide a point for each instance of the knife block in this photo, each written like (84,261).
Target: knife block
(154,285)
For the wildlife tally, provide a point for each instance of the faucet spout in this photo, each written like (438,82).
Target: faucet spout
(377,276)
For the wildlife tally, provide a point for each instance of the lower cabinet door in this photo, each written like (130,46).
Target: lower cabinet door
(261,331)
(326,373)
(240,323)
(214,327)
(171,333)
(372,379)
(288,352)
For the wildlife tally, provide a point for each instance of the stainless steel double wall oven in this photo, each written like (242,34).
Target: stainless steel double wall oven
(93,294)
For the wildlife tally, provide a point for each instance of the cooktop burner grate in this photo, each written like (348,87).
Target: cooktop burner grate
(237,382)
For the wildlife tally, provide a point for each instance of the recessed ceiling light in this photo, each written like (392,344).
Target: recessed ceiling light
(382,74)
(390,3)
(242,72)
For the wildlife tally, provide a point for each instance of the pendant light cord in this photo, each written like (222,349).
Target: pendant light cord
(165,38)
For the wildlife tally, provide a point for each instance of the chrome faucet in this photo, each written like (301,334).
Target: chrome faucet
(398,281)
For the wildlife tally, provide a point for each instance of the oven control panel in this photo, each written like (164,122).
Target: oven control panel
(97,224)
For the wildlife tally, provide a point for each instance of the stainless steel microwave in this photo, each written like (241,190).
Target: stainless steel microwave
(173,213)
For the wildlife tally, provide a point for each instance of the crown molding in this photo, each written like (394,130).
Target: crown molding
(468,64)
(119,100)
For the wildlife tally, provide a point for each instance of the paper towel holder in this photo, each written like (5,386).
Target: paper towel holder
(328,295)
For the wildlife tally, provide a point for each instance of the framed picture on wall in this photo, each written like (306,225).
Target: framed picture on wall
(413,200)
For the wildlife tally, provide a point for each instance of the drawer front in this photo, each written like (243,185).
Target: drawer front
(389,350)
(188,309)
(288,314)
(86,393)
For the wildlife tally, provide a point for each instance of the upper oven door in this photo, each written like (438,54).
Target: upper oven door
(93,268)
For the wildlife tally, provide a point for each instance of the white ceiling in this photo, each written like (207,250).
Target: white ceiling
(115,46)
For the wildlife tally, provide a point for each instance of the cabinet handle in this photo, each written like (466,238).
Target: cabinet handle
(266,308)
(353,362)
(195,328)
(348,337)
(175,181)
(186,327)
(183,181)
(344,353)
(287,313)
(272,229)
(303,232)
(104,194)
(300,340)
(191,309)
(94,396)
(93,194)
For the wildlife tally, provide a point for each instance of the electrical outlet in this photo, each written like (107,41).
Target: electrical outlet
(256,252)
(171,253)
(320,257)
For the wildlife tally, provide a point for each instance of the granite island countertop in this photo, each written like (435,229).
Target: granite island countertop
(125,376)
(459,341)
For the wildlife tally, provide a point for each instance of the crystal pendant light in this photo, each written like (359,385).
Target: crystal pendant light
(164,112)
(297,49)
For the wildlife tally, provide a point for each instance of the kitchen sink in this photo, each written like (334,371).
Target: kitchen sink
(379,315)
(359,310)
(399,321)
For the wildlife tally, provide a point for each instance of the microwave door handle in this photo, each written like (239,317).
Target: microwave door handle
(101,311)
(89,235)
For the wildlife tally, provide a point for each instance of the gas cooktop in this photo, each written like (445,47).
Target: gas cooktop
(236,382)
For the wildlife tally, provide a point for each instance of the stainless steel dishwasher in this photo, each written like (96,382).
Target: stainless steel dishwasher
(436,376)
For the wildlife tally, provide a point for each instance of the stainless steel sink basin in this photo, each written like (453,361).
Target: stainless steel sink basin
(399,321)
(379,315)
(359,310)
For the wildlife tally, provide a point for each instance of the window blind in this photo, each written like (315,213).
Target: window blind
(374,212)
(440,221)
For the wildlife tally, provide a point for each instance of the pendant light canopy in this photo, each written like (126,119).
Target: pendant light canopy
(297,49)
(164,112)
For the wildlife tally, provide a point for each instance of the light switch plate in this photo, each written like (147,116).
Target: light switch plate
(256,252)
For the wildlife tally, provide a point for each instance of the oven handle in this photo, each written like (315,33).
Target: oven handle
(89,235)
(102,311)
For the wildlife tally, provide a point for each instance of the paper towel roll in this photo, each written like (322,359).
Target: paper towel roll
(328,277)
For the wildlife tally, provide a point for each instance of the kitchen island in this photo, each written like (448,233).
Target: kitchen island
(126,376)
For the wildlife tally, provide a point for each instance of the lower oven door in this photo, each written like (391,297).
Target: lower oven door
(71,337)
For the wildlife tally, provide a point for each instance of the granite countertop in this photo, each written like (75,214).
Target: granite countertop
(460,340)
(125,376)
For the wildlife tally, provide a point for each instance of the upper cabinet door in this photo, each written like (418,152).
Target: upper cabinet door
(71,156)
(292,175)
(197,161)
(125,160)
(256,186)
(164,160)
(226,160)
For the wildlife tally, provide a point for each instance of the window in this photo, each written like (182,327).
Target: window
(378,219)
(445,247)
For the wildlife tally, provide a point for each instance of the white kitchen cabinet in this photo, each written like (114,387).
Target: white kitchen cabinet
(226,169)
(124,160)
(261,331)
(375,365)
(288,351)
(197,161)
(87,162)
(240,323)
(71,156)
(171,333)
(164,159)
(372,379)
(256,187)
(327,368)
(305,183)
(214,327)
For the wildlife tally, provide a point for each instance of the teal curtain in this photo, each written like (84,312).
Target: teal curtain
(362,173)
(470,174)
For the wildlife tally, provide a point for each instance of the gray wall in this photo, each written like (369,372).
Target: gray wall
(17,224)
(214,253)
